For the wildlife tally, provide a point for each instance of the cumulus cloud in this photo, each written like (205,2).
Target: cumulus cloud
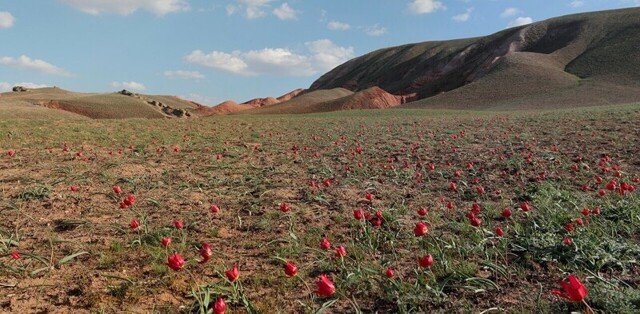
(24,62)
(338,26)
(576,3)
(134,86)
(322,55)
(5,86)
(126,7)
(425,6)
(522,20)
(6,20)
(252,9)
(509,12)
(180,74)
(464,16)
(285,12)
(375,30)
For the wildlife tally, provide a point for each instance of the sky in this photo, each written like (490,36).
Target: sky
(210,51)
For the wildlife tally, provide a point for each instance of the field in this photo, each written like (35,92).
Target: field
(262,191)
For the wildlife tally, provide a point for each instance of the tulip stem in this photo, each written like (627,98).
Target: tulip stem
(589,309)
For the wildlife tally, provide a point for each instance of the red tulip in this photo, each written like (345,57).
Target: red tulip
(358,214)
(506,213)
(475,221)
(585,211)
(214,208)
(426,261)
(11,153)
(596,211)
(74,188)
(284,207)
(134,224)
(475,208)
(233,273)
(325,244)
(15,255)
(129,200)
(612,185)
(327,182)
(175,262)
(569,227)
(599,179)
(166,241)
(341,252)
(450,205)
(219,307)
(452,186)
(178,224)
(567,241)
(579,222)
(117,189)
(389,273)
(206,252)
(525,206)
(601,193)
(325,286)
(368,196)
(290,269)
(499,232)
(421,229)
(574,290)
(422,211)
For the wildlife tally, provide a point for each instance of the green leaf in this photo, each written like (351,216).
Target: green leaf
(68,258)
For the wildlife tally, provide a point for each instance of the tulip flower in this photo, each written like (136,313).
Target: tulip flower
(219,307)
(368,196)
(214,208)
(166,241)
(426,261)
(574,290)
(175,262)
(15,255)
(499,232)
(358,214)
(74,188)
(178,224)
(421,229)
(325,244)
(117,189)
(233,273)
(567,241)
(341,252)
(325,286)
(290,269)
(389,273)
(422,211)
(206,252)
(11,153)
(134,224)
(525,206)
(506,213)
(284,207)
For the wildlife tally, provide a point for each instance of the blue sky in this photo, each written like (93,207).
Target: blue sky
(213,50)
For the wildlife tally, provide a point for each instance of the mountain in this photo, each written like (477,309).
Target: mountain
(43,102)
(576,60)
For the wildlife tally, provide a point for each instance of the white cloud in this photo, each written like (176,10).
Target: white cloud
(425,6)
(5,86)
(126,7)
(375,30)
(24,62)
(576,3)
(194,75)
(285,12)
(253,9)
(338,26)
(134,86)
(464,16)
(509,12)
(6,20)
(322,55)
(522,20)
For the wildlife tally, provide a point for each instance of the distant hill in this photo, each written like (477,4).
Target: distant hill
(304,103)
(577,60)
(66,104)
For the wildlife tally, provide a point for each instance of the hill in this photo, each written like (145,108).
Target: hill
(124,104)
(304,103)
(576,60)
